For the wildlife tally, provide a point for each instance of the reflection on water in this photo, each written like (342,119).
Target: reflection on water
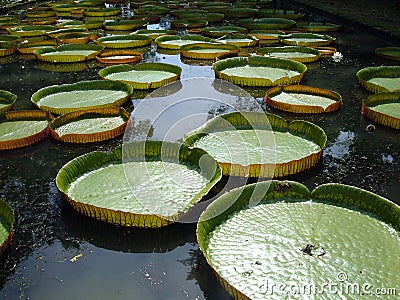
(341,146)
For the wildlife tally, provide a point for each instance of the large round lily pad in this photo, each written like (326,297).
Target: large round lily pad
(68,53)
(221,31)
(155,33)
(7,100)
(30,30)
(119,56)
(65,98)
(207,50)
(102,12)
(300,54)
(23,128)
(306,39)
(157,184)
(240,12)
(260,71)
(380,79)
(259,145)
(7,49)
(7,220)
(124,41)
(124,24)
(303,99)
(273,239)
(280,13)
(391,53)
(266,23)
(143,76)
(318,26)
(238,39)
(92,125)
(383,108)
(176,42)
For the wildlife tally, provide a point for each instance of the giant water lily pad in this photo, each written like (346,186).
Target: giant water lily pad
(383,108)
(238,39)
(240,12)
(30,30)
(318,26)
(92,125)
(300,54)
(303,99)
(143,184)
(306,39)
(23,128)
(380,79)
(65,98)
(391,53)
(260,71)
(280,13)
(273,234)
(7,220)
(30,47)
(259,145)
(124,41)
(176,42)
(7,49)
(155,33)
(221,31)
(267,34)
(7,101)
(119,56)
(143,76)
(102,12)
(266,23)
(124,24)
(180,23)
(68,53)
(207,50)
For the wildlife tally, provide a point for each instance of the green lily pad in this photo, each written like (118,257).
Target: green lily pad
(216,32)
(380,79)
(143,76)
(30,47)
(71,24)
(300,54)
(119,56)
(124,24)
(155,33)
(176,42)
(30,30)
(7,101)
(306,39)
(23,128)
(151,10)
(240,12)
(124,41)
(259,145)
(68,53)
(7,220)
(280,13)
(180,23)
(281,234)
(102,12)
(65,98)
(391,53)
(92,125)
(238,39)
(207,50)
(267,34)
(383,108)
(303,99)
(260,71)
(150,194)
(57,32)
(74,38)
(266,23)
(318,27)
(7,49)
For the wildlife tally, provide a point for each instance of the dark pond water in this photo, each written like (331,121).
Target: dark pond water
(128,263)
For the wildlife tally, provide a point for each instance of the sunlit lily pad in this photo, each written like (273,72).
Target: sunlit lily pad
(30,47)
(7,49)
(180,23)
(207,50)
(300,54)
(124,41)
(272,234)
(318,26)
(151,10)
(325,51)
(260,71)
(391,53)
(303,99)
(216,32)
(306,39)
(143,76)
(102,12)
(11,39)
(71,24)
(238,39)
(57,32)
(267,34)
(65,98)
(149,194)
(7,220)
(380,79)
(124,24)
(23,128)
(266,23)
(155,33)
(176,42)
(30,30)
(383,108)
(68,53)
(119,56)
(74,38)
(280,13)
(7,100)
(259,145)
(92,125)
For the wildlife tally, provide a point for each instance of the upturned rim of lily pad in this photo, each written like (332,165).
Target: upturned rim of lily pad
(379,117)
(368,73)
(7,219)
(320,39)
(267,23)
(297,49)
(387,53)
(161,40)
(7,99)
(126,56)
(187,50)
(49,54)
(318,26)
(124,41)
